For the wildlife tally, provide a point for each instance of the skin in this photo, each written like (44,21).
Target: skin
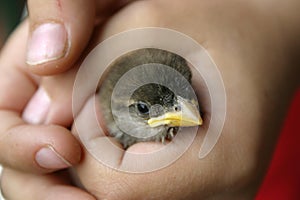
(256,53)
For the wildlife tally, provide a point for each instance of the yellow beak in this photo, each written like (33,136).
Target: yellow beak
(187,116)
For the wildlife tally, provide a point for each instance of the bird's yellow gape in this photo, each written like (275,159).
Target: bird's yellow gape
(188,115)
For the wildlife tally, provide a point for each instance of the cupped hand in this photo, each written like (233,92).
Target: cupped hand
(255,59)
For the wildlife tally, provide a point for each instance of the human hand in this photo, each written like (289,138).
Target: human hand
(239,38)
(45,101)
(237,163)
(38,144)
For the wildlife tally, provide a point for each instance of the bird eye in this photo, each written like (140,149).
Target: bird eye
(143,108)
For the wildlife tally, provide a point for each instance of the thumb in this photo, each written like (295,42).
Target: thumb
(59,32)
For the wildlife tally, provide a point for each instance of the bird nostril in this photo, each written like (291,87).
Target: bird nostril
(177,108)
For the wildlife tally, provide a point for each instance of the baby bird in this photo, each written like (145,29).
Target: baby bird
(153,112)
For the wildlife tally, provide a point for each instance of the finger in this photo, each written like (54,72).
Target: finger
(59,31)
(52,103)
(17,185)
(38,148)
(24,147)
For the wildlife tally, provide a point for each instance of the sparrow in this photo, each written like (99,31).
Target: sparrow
(153,112)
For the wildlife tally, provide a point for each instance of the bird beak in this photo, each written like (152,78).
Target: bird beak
(187,116)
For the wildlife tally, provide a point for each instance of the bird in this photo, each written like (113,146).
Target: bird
(154,111)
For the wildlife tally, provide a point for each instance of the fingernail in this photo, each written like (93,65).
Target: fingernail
(48,158)
(37,109)
(47,42)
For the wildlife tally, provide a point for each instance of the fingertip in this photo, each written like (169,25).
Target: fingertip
(59,32)
(39,149)
(47,42)
(64,144)
(48,158)
(57,149)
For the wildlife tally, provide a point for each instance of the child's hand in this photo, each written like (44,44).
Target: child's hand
(259,65)
(20,142)
(45,100)
(19,88)
(255,58)
(38,148)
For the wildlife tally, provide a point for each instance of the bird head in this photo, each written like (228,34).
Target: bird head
(156,105)
(155,111)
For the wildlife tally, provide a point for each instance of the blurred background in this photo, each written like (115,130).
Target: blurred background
(10,14)
(282,182)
